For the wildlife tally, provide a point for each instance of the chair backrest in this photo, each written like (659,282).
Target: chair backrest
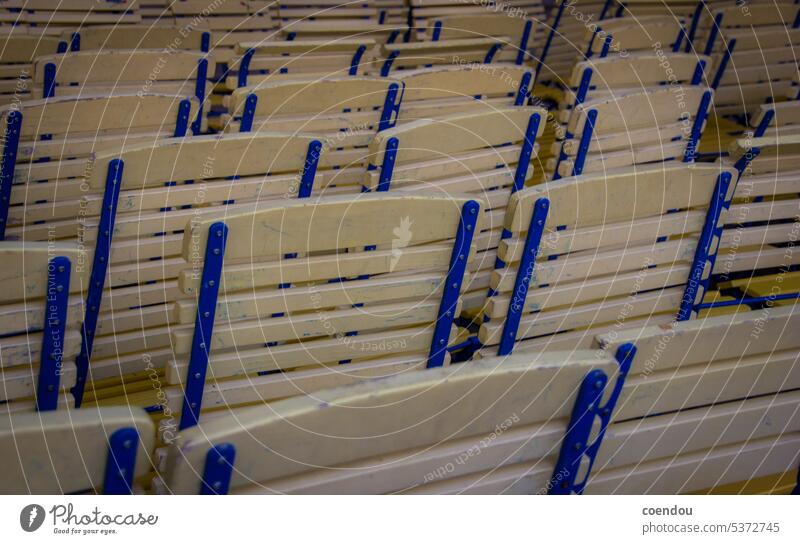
(398,297)
(519,31)
(603,248)
(487,154)
(642,126)
(291,11)
(74,451)
(665,32)
(57,15)
(49,144)
(706,402)
(39,321)
(447,90)
(391,435)
(20,47)
(106,37)
(334,28)
(413,55)
(348,111)
(256,62)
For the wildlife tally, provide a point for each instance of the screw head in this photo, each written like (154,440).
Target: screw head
(598,384)
(127,444)
(578,446)
(196,375)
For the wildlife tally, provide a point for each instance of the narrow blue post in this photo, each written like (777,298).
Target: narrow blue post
(589,48)
(549,41)
(75,41)
(491,53)
(763,125)
(97,277)
(524,161)
(62,48)
(587,408)
(13,132)
(706,252)
(356,60)
(527,264)
(580,96)
(205,42)
(712,36)
(522,92)
(723,64)
(699,70)
(218,469)
(387,64)
(437,31)
(693,26)
(244,67)
(604,11)
(49,89)
(697,128)
(55,319)
(182,123)
(203,325)
(200,93)
(387,167)
(676,47)
(391,107)
(121,462)
(452,283)
(246,124)
(606,46)
(309,169)
(586,140)
(523,43)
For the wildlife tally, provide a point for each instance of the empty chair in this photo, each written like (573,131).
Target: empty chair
(489,154)
(105,37)
(373,281)
(394,57)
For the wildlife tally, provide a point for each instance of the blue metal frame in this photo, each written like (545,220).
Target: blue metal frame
(745,301)
(524,160)
(706,252)
(97,277)
(452,283)
(356,60)
(575,445)
(391,107)
(523,43)
(55,319)
(676,47)
(244,67)
(522,92)
(712,37)
(549,41)
(75,41)
(182,122)
(121,462)
(205,42)
(249,113)
(604,11)
(606,46)
(693,26)
(387,64)
(723,64)
(387,167)
(761,129)
(309,169)
(200,93)
(12,136)
(699,70)
(580,97)
(49,88)
(586,140)
(437,31)
(491,53)
(203,325)
(218,469)
(697,128)
(527,264)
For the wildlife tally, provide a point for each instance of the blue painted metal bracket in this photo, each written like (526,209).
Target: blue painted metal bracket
(97,277)
(699,70)
(586,140)
(523,43)
(723,64)
(75,41)
(549,41)
(521,283)
(356,60)
(580,97)
(200,93)
(712,36)
(387,64)
(182,123)
(121,463)
(205,42)
(62,47)
(391,107)
(606,46)
(524,89)
(697,128)
(387,167)
(676,47)
(437,31)
(491,53)
(746,301)
(309,169)
(49,88)
(588,52)
(55,319)
(244,67)
(587,409)
(218,469)
(604,11)
(452,283)
(693,26)
(524,160)
(249,113)
(743,162)
(203,325)
(10,148)
(706,252)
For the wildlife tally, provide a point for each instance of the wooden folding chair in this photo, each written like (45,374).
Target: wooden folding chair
(754,51)
(519,31)
(53,17)
(437,431)
(489,154)
(107,37)
(394,57)
(106,450)
(447,90)
(294,300)
(333,29)
(421,13)
(49,145)
(602,249)
(40,321)
(638,127)
(291,11)
(706,402)
(262,61)
(346,111)
(20,46)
